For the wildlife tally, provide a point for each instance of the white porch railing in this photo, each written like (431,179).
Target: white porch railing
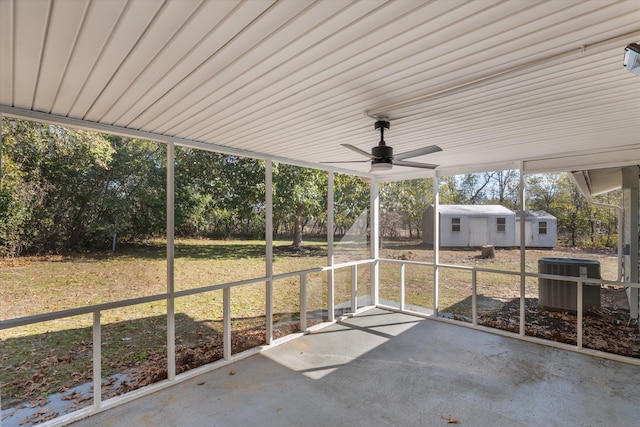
(523,275)
(97,310)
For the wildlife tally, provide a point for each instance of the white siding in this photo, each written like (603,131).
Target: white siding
(478,226)
(533,238)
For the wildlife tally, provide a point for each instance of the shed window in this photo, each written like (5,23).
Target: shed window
(502,224)
(455,224)
(542,227)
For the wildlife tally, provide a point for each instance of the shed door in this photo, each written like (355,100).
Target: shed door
(478,231)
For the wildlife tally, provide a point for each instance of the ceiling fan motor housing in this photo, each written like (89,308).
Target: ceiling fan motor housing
(382,152)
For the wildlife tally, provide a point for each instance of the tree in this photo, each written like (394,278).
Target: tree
(134,196)
(579,221)
(351,199)
(505,189)
(66,189)
(218,195)
(63,189)
(608,219)
(299,194)
(53,181)
(473,187)
(541,190)
(405,202)
(449,192)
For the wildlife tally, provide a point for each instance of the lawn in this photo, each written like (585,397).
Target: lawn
(49,357)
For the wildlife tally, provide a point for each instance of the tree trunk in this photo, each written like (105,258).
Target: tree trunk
(297,228)
(488,252)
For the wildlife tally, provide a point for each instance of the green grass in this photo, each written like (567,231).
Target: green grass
(47,357)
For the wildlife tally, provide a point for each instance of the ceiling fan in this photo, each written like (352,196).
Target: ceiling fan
(382,157)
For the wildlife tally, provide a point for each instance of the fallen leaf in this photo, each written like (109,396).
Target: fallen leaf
(232,373)
(451,419)
(201,383)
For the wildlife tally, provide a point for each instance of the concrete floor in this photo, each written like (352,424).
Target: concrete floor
(383,368)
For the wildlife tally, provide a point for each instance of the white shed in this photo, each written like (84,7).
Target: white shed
(540,229)
(472,226)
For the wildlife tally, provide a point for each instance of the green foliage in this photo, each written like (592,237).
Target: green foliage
(402,205)
(351,199)
(133,200)
(218,195)
(14,215)
(580,223)
(541,191)
(49,190)
(299,196)
(65,189)
(449,192)
(571,209)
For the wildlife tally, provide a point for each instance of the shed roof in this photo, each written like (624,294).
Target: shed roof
(475,210)
(495,84)
(539,214)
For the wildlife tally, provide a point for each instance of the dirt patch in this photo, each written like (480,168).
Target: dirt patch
(609,329)
(300,251)
(137,375)
(155,368)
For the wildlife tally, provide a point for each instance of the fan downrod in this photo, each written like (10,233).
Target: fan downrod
(382,151)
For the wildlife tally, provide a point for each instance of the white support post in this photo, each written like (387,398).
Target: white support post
(94,353)
(226,323)
(354,288)
(303,302)
(330,254)
(474,297)
(97,361)
(402,285)
(436,243)
(631,195)
(523,277)
(579,293)
(171,320)
(375,238)
(330,217)
(268,180)
(1,176)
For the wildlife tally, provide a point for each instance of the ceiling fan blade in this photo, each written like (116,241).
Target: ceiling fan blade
(357,150)
(414,164)
(349,161)
(419,152)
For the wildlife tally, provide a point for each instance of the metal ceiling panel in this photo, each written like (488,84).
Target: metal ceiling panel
(170,19)
(29,31)
(193,43)
(59,48)
(95,28)
(130,27)
(494,83)
(6,53)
